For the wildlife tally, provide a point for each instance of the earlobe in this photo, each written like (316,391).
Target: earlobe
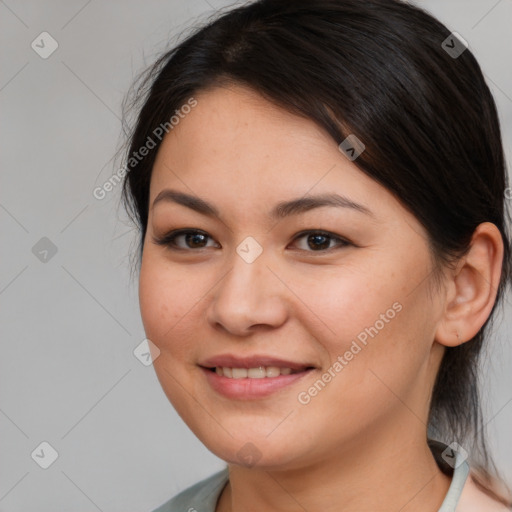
(473,287)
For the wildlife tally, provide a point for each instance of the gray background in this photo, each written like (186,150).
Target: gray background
(68,375)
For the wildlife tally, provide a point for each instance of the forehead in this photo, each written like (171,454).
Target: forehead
(235,133)
(236,122)
(235,146)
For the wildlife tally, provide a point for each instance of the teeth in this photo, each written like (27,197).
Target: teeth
(273,371)
(239,373)
(252,373)
(256,373)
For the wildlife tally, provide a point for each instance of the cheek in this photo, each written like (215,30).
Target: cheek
(368,316)
(167,297)
(345,301)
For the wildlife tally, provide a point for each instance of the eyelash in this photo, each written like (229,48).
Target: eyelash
(169,240)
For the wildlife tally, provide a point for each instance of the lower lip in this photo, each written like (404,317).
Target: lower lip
(247,389)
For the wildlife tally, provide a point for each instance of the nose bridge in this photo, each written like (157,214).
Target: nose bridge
(248,294)
(249,274)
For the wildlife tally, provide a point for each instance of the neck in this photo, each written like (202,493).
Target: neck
(397,472)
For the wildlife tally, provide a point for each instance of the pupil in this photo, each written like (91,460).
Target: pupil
(194,239)
(319,245)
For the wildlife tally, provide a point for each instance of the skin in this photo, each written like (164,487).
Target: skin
(360,443)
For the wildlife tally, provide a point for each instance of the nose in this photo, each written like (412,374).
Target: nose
(248,298)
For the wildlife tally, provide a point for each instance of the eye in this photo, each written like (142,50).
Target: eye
(320,241)
(193,239)
(316,241)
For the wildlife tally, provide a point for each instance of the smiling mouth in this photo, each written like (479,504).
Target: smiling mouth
(260,372)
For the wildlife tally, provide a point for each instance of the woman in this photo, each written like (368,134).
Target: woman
(319,186)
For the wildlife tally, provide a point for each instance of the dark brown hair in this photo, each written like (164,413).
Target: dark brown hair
(378,69)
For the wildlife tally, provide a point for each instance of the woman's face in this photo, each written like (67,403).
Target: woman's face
(258,289)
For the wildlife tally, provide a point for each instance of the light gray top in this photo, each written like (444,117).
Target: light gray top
(203,496)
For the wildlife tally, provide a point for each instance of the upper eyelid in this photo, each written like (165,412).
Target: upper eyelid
(168,237)
(342,241)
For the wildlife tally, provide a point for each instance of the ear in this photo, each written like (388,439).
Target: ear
(471,287)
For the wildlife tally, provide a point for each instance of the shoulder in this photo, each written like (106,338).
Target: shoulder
(474,499)
(200,497)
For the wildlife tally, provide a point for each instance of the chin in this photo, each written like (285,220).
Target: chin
(257,451)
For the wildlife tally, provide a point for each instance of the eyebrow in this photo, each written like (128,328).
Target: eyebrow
(280,211)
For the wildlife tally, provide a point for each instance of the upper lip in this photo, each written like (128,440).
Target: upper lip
(255,361)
